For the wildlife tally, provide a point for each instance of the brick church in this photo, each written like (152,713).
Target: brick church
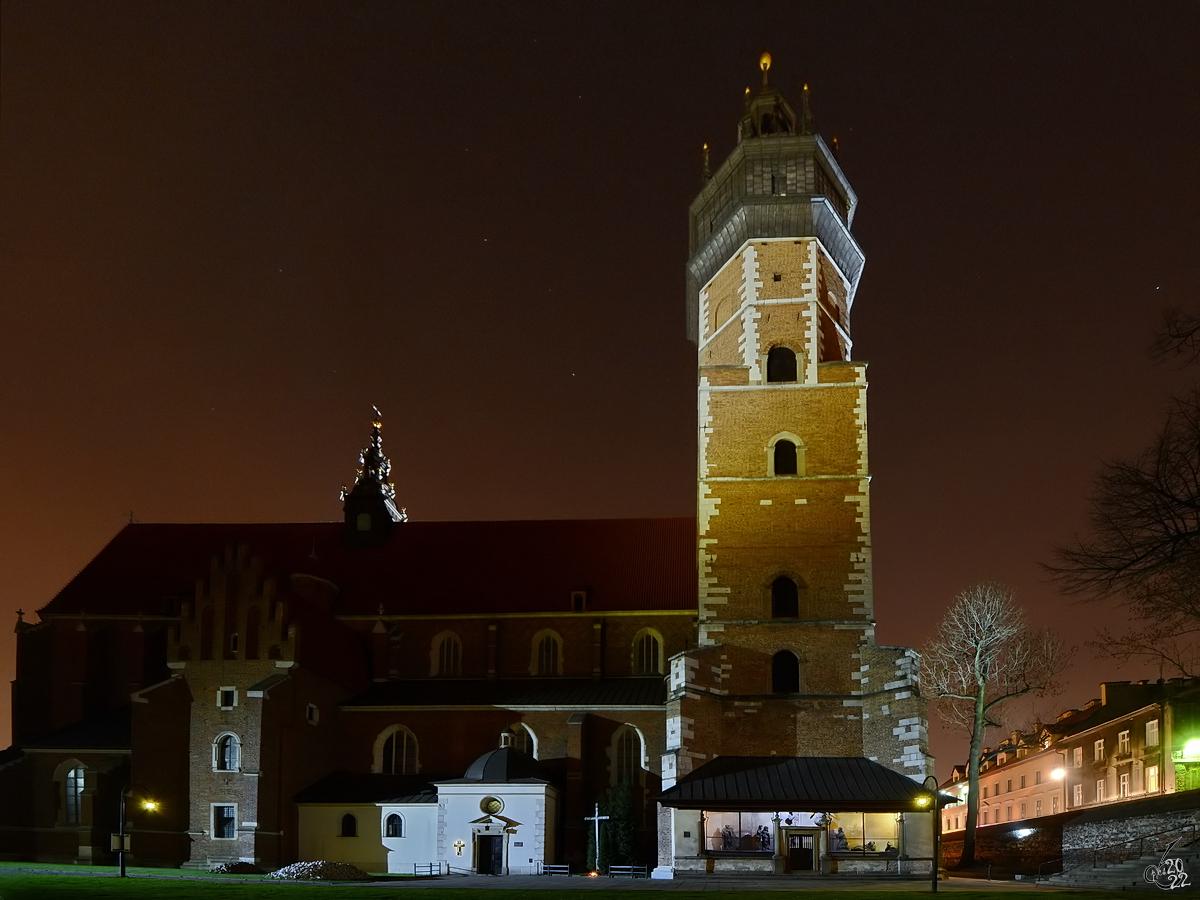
(392,692)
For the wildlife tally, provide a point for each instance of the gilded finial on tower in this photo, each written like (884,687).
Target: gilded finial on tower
(707,173)
(806,116)
(764,63)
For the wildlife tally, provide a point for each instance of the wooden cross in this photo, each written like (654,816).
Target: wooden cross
(597,818)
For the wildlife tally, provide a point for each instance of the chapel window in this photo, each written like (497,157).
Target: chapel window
(626,756)
(393,826)
(785,673)
(449,655)
(548,654)
(781,364)
(785,458)
(349,826)
(647,654)
(399,755)
(74,791)
(785,598)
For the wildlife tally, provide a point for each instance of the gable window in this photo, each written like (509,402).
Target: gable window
(226,753)
(785,598)
(349,826)
(781,365)
(785,673)
(224,821)
(647,654)
(393,826)
(74,795)
(398,756)
(449,656)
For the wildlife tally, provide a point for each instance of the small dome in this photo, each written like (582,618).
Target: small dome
(498,766)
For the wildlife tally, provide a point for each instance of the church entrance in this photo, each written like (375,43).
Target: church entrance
(801,851)
(489,854)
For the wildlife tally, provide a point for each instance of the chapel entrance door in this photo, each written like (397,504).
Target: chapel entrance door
(801,851)
(489,854)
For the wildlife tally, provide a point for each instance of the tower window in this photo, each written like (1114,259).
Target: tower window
(781,363)
(226,754)
(778,182)
(224,822)
(785,458)
(785,598)
(785,673)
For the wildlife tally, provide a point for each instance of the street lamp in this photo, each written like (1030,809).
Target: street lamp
(931,799)
(120,841)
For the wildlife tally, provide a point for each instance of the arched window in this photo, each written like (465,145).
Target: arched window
(785,455)
(547,654)
(398,753)
(785,598)
(785,673)
(647,653)
(226,753)
(448,650)
(393,826)
(627,756)
(785,458)
(781,365)
(74,795)
(349,826)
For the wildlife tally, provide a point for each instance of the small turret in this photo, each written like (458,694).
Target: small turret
(370,506)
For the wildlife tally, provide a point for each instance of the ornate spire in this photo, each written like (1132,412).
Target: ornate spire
(767,112)
(806,116)
(370,506)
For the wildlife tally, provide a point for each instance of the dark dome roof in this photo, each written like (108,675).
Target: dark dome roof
(505,764)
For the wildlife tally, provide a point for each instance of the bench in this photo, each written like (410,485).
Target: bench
(556,870)
(628,872)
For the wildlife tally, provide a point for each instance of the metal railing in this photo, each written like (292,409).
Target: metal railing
(1115,854)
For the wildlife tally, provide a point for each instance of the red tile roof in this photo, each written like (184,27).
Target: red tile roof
(423,568)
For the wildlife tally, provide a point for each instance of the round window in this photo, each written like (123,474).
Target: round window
(491,805)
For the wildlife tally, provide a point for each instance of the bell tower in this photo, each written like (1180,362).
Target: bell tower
(785,662)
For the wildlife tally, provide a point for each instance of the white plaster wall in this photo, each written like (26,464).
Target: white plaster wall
(531,806)
(321,826)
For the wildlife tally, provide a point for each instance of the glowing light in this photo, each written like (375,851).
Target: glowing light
(1191,750)
(1058,774)
(923,800)
(764,61)
(1023,832)
(593,874)
(149,805)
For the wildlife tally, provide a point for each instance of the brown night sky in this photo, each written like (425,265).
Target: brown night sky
(227,229)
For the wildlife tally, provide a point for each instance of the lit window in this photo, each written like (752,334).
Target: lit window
(224,822)
(1123,743)
(226,753)
(349,826)
(1152,733)
(399,754)
(74,789)
(1152,779)
(393,826)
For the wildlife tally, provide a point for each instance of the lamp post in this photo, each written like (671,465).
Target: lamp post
(931,785)
(121,839)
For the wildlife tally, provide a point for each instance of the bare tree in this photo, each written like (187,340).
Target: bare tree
(983,656)
(1143,546)
(1178,336)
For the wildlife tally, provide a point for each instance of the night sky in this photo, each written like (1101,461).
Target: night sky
(227,229)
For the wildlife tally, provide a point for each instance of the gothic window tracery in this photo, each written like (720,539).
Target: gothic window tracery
(647,653)
(448,651)
(547,653)
(397,753)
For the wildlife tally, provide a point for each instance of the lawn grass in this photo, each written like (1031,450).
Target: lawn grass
(16,884)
